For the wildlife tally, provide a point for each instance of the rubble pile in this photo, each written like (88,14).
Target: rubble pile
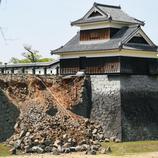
(46,122)
(38,132)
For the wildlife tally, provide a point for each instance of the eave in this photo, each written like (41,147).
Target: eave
(110,53)
(103,20)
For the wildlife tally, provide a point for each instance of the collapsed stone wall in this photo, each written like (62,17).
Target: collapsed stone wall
(139,102)
(52,114)
(30,97)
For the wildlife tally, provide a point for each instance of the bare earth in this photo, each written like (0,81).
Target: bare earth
(81,155)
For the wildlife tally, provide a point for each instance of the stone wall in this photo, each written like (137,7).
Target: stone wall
(106,104)
(139,102)
(126,106)
(8,117)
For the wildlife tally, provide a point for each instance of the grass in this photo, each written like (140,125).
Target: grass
(119,149)
(4,150)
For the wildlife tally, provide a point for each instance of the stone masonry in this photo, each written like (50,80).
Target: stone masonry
(126,106)
(139,103)
(8,117)
(106,104)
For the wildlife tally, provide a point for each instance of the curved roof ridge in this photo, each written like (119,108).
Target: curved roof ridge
(105,5)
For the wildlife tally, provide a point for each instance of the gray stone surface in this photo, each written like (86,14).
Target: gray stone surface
(126,106)
(139,99)
(106,104)
(8,116)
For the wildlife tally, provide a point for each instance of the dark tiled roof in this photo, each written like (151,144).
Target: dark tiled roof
(113,13)
(118,41)
(132,46)
(115,42)
(37,64)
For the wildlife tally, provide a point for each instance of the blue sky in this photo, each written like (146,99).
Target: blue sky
(45,24)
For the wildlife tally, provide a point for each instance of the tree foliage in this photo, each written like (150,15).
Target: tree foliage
(14,60)
(30,56)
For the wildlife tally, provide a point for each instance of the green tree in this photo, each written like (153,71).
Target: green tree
(45,60)
(30,56)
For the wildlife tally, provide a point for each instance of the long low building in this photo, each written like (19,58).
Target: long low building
(38,68)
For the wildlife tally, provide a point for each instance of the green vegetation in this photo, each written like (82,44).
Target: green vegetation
(4,150)
(17,61)
(127,148)
(118,149)
(30,56)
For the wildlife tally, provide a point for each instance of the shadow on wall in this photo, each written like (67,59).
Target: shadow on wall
(83,108)
(140,116)
(8,116)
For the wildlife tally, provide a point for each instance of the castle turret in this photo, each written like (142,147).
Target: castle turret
(109,41)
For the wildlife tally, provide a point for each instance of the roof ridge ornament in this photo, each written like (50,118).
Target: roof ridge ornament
(104,5)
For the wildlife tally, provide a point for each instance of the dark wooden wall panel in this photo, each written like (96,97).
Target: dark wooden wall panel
(96,34)
(108,65)
(90,65)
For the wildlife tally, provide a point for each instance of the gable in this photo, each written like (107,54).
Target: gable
(95,14)
(139,37)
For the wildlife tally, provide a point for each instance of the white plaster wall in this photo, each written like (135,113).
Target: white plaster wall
(8,71)
(28,71)
(52,70)
(17,71)
(39,71)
